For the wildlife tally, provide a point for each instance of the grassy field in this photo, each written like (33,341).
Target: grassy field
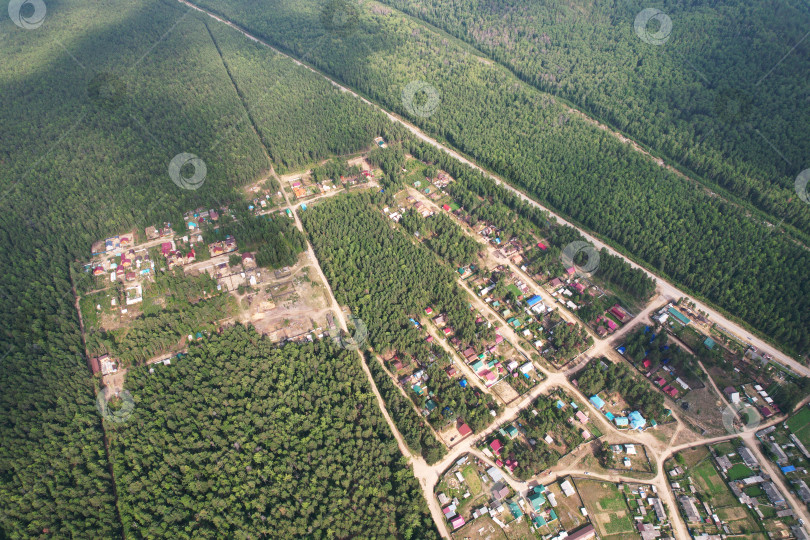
(724,448)
(799,424)
(739,471)
(705,476)
(694,456)
(472,479)
(607,509)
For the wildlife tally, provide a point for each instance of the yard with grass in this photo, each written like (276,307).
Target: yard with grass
(568,508)
(739,471)
(607,508)
(709,482)
(799,425)
(472,479)
(698,464)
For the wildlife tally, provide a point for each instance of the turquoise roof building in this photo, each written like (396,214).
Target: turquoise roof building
(515,509)
(537,499)
(636,420)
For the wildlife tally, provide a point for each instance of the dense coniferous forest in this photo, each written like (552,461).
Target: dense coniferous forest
(382,275)
(443,236)
(90,167)
(711,97)
(241,437)
(310,120)
(712,247)
(96,102)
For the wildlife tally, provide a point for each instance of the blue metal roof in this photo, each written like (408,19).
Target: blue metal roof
(534,300)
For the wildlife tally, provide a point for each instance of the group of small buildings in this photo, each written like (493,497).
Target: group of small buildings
(758,478)
(114,245)
(632,420)
(102,364)
(606,324)
(755,396)
(119,258)
(670,311)
(222,247)
(538,505)
(790,455)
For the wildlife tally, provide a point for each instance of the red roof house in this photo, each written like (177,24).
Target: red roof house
(542,246)
(496,446)
(94,365)
(464,429)
(618,312)
(646,363)
(765,412)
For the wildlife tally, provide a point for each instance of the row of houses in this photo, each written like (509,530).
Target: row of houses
(758,397)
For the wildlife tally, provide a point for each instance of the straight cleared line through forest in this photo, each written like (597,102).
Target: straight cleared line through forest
(666,289)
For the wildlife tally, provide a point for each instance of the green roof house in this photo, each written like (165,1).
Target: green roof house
(537,499)
(515,509)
